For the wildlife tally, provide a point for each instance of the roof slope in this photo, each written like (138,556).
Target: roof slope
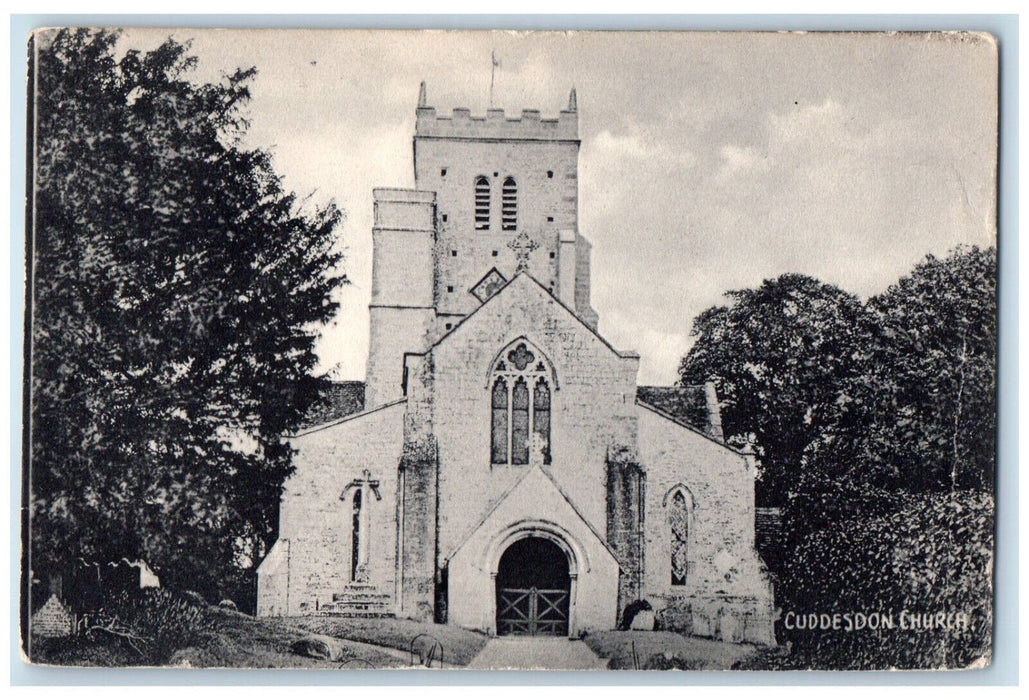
(687,404)
(338,400)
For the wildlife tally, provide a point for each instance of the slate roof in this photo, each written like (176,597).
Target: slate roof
(338,400)
(684,403)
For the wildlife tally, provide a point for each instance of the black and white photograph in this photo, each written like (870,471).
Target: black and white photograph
(363,350)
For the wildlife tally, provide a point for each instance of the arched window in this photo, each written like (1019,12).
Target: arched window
(678,504)
(355,543)
(520,387)
(482,203)
(509,205)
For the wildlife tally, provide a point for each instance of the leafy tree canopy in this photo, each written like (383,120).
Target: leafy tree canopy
(777,354)
(177,290)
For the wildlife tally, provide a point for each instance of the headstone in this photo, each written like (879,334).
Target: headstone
(52,619)
(320,646)
(728,627)
(644,620)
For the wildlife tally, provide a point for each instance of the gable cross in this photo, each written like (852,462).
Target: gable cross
(523,246)
(362,522)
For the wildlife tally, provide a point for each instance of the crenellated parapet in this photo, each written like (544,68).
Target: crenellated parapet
(528,126)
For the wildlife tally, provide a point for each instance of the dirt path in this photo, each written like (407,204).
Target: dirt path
(537,653)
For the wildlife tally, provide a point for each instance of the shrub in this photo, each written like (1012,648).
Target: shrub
(934,554)
(153,621)
(670,662)
(195,598)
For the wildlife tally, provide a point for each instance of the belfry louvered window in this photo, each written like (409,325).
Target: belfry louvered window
(509,205)
(482,203)
(520,392)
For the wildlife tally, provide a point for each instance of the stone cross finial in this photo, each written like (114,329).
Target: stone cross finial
(365,484)
(523,246)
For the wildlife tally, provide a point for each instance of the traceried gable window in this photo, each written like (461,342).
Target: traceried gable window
(482,203)
(509,205)
(679,504)
(520,388)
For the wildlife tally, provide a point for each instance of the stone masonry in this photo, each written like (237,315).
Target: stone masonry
(496,201)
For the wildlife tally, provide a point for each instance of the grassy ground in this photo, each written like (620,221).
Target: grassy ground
(665,650)
(239,641)
(459,645)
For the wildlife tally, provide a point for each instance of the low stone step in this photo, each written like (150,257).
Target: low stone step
(370,596)
(354,608)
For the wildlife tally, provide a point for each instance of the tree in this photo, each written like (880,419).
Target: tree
(177,290)
(778,355)
(921,413)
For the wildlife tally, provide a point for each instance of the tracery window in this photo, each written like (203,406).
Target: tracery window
(482,203)
(679,529)
(520,386)
(509,205)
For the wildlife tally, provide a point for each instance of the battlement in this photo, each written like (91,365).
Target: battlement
(529,126)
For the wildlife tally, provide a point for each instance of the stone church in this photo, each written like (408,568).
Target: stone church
(500,469)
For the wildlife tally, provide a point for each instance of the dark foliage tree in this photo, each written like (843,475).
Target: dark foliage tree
(778,355)
(921,414)
(177,290)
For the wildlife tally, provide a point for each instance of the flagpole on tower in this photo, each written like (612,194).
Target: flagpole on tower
(492,73)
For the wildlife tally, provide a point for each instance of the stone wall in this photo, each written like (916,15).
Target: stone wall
(450,153)
(625,492)
(419,479)
(402,317)
(318,524)
(724,572)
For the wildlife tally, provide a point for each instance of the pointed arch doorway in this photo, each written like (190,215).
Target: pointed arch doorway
(533,589)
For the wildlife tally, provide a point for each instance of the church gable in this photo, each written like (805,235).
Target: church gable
(535,508)
(337,517)
(700,506)
(568,404)
(524,302)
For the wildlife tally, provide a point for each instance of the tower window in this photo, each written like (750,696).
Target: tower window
(551,255)
(550,174)
(494,253)
(453,253)
(482,203)
(509,205)
(450,287)
(444,217)
(549,218)
(443,172)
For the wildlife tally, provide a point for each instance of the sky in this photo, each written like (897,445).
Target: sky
(709,161)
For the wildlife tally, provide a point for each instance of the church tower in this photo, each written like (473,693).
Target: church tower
(484,188)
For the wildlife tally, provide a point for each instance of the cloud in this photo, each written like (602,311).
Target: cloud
(708,162)
(739,159)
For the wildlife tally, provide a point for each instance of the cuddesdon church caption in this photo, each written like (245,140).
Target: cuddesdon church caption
(500,469)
